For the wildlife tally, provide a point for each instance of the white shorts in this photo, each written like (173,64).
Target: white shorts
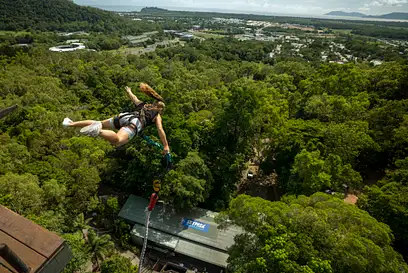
(131,130)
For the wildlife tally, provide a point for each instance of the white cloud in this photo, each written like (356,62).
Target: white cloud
(364,9)
(267,6)
(386,3)
(314,7)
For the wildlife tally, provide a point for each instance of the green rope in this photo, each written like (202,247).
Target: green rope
(168,161)
(153,143)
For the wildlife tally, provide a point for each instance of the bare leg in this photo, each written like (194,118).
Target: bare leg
(83,123)
(118,139)
(106,124)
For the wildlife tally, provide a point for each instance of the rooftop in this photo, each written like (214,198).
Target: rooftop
(190,232)
(41,250)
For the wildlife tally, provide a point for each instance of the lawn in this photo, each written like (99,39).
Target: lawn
(342,31)
(15,33)
(207,35)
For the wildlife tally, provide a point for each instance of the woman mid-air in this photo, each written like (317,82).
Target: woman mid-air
(128,124)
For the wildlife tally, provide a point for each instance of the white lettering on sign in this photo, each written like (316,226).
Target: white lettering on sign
(195,225)
(200,225)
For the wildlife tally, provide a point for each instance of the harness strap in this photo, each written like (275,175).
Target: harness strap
(116,122)
(128,118)
(130,124)
(142,117)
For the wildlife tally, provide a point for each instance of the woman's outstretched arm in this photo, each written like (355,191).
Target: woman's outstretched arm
(162,134)
(132,96)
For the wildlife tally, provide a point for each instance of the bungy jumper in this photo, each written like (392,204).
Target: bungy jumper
(127,124)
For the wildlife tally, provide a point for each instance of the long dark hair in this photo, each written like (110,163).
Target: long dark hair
(158,105)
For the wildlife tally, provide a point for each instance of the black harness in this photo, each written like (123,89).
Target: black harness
(140,114)
(128,118)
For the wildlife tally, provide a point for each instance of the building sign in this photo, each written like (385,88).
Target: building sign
(189,223)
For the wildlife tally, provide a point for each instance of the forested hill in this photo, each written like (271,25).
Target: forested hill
(152,9)
(393,15)
(64,15)
(343,13)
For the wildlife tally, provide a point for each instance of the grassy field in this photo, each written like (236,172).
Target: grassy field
(126,49)
(15,33)
(207,35)
(342,31)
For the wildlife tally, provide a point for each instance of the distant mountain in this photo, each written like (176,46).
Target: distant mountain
(152,10)
(394,15)
(342,13)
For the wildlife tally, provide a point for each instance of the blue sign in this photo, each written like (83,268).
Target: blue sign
(189,223)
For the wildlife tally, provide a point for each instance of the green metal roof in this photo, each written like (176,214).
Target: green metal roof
(185,247)
(202,253)
(161,238)
(194,225)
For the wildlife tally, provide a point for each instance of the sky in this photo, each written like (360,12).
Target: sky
(304,7)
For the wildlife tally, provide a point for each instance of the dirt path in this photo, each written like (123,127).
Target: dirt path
(134,259)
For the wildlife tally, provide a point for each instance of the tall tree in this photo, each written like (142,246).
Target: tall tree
(319,233)
(99,247)
(388,203)
(118,264)
(189,184)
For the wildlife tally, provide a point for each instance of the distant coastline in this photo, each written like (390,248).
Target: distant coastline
(117,8)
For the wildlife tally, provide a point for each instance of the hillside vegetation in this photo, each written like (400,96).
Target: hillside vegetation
(64,15)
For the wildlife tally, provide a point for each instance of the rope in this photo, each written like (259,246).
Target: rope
(148,212)
(167,160)
(153,143)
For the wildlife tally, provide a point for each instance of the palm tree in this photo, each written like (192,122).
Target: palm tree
(81,223)
(99,246)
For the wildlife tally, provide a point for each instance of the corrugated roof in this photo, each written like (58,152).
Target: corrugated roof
(178,245)
(202,253)
(201,228)
(156,236)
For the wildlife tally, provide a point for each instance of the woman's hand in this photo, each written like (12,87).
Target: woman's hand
(166,150)
(127,88)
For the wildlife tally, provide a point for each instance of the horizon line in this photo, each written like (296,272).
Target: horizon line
(227,11)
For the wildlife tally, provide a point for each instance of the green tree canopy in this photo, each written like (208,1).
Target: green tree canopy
(78,248)
(99,247)
(388,202)
(22,193)
(189,184)
(117,264)
(319,233)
